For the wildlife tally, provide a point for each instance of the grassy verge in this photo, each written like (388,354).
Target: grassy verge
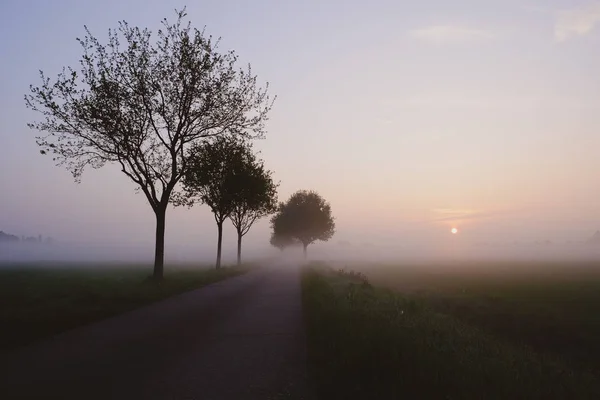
(39,302)
(367,342)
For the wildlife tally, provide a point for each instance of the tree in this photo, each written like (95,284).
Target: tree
(255,197)
(306,217)
(281,242)
(213,178)
(7,237)
(141,103)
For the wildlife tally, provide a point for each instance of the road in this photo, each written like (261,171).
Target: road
(242,338)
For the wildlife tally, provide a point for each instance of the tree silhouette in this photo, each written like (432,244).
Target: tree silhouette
(141,103)
(213,178)
(281,242)
(255,197)
(7,237)
(306,216)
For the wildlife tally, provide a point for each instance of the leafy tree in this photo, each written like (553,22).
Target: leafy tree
(213,178)
(281,242)
(256,196)
(306,217)
(140,102)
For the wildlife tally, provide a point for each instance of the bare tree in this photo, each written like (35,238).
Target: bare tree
(141,101)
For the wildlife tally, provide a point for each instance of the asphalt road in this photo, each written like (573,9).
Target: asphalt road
(242,338)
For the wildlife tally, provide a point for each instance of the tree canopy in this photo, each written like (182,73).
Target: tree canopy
(282,242)
(212,175)
(306,217)
(141,101)
(216,177)
(256,195)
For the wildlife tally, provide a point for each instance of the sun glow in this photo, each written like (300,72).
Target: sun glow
(454,231)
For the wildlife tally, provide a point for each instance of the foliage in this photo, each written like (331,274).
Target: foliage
(306,217)
(214,175)
(256,194)
(142,104)
(281,242)
(223,173)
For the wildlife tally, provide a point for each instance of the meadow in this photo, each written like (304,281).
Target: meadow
(38,300)
(455,330)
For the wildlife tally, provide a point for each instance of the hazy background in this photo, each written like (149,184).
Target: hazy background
(409,117)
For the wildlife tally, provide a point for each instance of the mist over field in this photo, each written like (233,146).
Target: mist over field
(448,251)
(95,253)
(480,117)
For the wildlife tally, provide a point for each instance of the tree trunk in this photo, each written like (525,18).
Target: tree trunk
(159,249)
(239,249)
(219,242)
(305,246)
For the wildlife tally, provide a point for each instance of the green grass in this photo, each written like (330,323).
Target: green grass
(369,342)
(36,302)
(552,307)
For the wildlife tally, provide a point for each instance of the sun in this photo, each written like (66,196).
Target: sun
(454,231)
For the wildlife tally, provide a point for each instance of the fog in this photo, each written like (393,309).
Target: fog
(409,120)
(335,253)
(126,254)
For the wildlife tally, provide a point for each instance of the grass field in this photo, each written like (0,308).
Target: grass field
(552,307)
(39,301)
(453,333)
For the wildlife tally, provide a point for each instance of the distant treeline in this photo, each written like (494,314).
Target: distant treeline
(8,238)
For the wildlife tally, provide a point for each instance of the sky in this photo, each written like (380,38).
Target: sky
(410,118)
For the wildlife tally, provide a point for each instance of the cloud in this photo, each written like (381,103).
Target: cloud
(449,34)
(576,22)
(450,214)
